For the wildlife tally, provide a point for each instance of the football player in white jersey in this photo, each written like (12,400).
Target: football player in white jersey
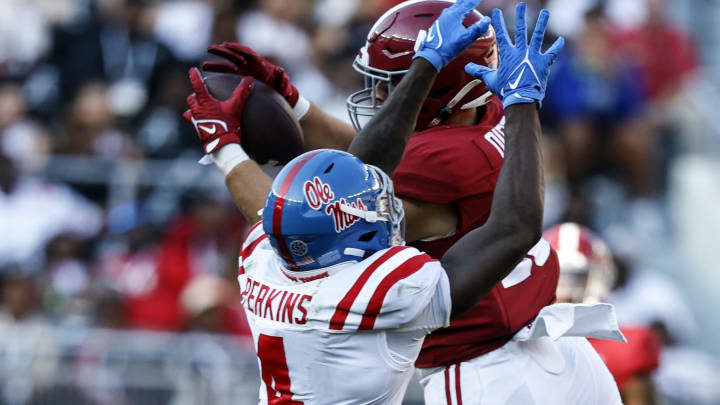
(338,307)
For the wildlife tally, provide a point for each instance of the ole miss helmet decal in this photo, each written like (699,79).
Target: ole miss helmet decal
(327,207)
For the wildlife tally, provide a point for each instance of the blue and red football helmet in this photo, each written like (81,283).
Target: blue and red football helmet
(326,207)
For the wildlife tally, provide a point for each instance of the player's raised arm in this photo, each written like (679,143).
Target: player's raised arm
(483,257)
(382,141)
(222,143)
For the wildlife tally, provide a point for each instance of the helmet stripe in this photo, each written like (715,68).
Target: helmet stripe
(277,232)
(280,204)
(569,236)
(394,9)
(287,181)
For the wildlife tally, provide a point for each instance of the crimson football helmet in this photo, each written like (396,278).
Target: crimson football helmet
(587,271)
(388,53)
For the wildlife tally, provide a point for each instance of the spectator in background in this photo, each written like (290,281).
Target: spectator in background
(644,296)
(687,375)
(666,55)
(160,130)
(211,306)
(28,352)
(185,27)
(668,63)
(130,269)
(114,46)
(89,126)
(595,105)
(198,242)
(24,37)
(341,29)
(21,139)
(33,211)
(275,31)
(66,277)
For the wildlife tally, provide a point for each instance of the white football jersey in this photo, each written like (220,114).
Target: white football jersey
(346,334)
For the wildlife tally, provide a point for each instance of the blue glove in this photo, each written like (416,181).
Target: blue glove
(523,71)
(447,36)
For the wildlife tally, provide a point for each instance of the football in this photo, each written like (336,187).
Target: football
(270,132)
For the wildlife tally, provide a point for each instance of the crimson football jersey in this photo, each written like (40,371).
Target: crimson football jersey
(640,355)
(460,165)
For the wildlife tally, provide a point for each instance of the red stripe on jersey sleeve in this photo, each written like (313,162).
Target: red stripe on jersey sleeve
(252,229)
(248,250)
(241,269)
(337,322)
(406,269)
(448,398)
(458,390)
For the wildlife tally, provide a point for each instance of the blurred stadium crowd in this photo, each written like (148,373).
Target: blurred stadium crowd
(107,221)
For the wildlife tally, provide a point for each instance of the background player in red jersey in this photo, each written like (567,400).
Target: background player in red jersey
(586,275)
(447,175)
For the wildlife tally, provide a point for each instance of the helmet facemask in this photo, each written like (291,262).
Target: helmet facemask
(363,104)
(388,208)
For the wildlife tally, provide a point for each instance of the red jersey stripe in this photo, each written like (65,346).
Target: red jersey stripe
(406,269)
(458,391)
(447,386)
(248,250)
(241,269)
(337,322)
(252,229)
(306,279)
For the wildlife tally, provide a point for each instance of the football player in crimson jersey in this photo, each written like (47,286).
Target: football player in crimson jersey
(587,273)
(448,174)
(446,178)
(337,233)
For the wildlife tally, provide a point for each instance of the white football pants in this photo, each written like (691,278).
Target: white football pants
(534,372)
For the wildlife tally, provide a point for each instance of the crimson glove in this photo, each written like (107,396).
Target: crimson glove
(217,123)
(243,60)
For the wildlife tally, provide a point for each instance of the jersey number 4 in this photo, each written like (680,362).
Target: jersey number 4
(274,370)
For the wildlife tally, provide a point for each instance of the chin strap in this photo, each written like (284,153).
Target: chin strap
(369,216)
(482,100)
